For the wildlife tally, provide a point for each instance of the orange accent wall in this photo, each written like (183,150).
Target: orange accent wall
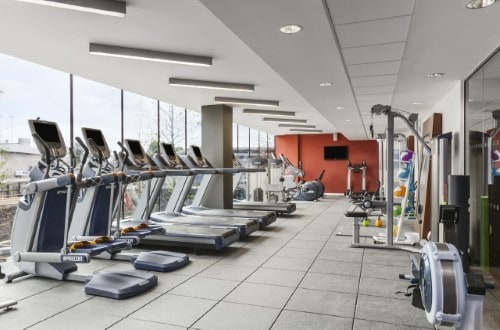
(309,149)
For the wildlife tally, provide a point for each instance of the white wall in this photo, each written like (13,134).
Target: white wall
(452,108)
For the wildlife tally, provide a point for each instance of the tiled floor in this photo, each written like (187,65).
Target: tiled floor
(295,275)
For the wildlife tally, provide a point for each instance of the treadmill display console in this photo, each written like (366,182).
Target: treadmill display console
(169,151)
(98,138)
(136,150)
(197,152)
(48,132)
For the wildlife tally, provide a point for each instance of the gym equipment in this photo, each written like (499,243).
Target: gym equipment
(40,229)
(259,166)
(450,295)
(173,165)
(356,168)
(93,215)
(301,191)
(196,237)
(196,160)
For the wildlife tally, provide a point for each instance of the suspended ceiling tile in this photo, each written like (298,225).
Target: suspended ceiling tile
(378,98)
(382,31)
(374,53)
(373,69)
(374,90)
(388,79)
(363,10)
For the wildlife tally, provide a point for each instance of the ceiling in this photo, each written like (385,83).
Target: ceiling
(371,51)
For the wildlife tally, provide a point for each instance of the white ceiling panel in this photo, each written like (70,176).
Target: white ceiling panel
(373,69)
(389,89)
(388,79)
(373,32)
(374,53)
(376,98)
(348,11)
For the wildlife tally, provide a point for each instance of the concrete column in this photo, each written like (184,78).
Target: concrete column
(217,146)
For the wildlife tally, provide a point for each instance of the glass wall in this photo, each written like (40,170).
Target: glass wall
(482,161)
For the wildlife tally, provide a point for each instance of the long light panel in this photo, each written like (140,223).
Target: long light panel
(269,112)
(103,7)
(305,130)
(148,55)
(285,120)
(296,126)
(211,84)
(231,100)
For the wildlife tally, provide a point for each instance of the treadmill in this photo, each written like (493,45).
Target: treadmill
(196,160)
(174,166)
(197,237)
(278,207)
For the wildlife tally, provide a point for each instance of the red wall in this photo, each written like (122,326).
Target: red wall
(309,149)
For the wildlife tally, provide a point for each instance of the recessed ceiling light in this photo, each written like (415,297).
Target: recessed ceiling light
(435,75)
(296,126)
(231,100)
(476,4)
(347,120)
(103,7)
(211,84)
(148,55)
(417,103)
(340,108)
(269,112)
(291,28)
(285,120)
(325,84)
(305,130)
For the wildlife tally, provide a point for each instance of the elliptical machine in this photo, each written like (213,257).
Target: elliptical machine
(300,191)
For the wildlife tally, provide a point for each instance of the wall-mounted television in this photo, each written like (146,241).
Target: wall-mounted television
(335,153)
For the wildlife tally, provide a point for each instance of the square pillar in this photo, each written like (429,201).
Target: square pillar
(217,146)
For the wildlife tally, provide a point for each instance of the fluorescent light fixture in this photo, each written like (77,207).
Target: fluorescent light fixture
(296,126)
(325,84)
(291,28)
(103,7)
(339,108)
(435,75)
(211,84)
(285,120)
(476,4)
(305,130)
(148,55)
(269,112)
(230,100)
(417,103)
(347,120)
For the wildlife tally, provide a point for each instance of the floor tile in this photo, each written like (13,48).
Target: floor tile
(232,316)
(223,272)
(336,267)
(175,310)
(168,281)
(330,282)
(25,314)
(260,295)
(383,287)
(194,268)
(384,272)
(65,295)
(303,244)
(372,325)
(131,324)
(27,287)
(293,320)
(337,255)
(207,288)
(114,307)
(299,253)
(71,319)
(323,302)
(287,263)
(247,259)
(276,277)
(390,310)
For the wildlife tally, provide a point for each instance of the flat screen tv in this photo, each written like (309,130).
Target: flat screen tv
(336,153)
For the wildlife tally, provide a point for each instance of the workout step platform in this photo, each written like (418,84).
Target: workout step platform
(356,214)
(120,285)
(159,261)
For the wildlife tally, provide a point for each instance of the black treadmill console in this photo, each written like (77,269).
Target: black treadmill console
(199,159)
(99,142)
(137,153)
(51,135)
(172,158)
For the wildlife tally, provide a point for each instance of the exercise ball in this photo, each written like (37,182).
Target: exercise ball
(406,156)
(400,191)
(396,210)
